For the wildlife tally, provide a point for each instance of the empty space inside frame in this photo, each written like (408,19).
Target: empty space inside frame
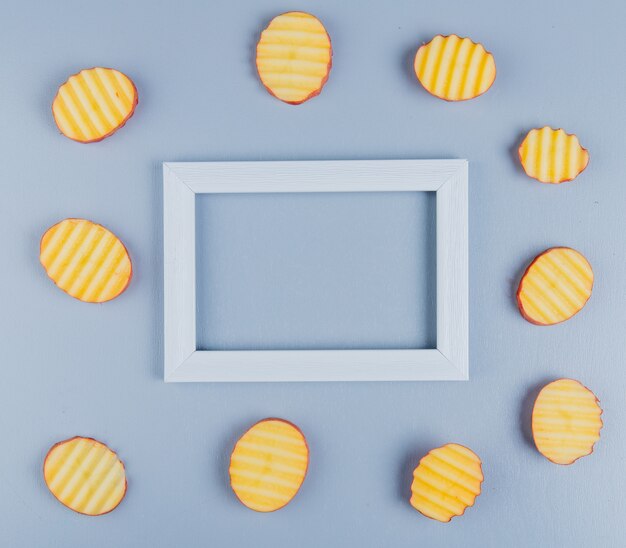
(316,271)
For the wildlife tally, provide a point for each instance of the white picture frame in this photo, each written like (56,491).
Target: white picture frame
(185,363)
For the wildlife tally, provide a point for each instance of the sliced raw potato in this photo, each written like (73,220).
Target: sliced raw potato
(566,421)
(85,260)
(94,104)
(555,286)
(294,57)
(268,465)
(454,68)
(552,156)
(85,475)
(446,481)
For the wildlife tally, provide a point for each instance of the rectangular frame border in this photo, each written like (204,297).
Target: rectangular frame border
(183,180)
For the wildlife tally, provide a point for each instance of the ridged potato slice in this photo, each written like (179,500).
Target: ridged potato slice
(556,285)
(454,68)
(566,421)
(94,104)
(268,465)
(446,482)
(85,475)
(552,156)
(85,260)
(294,57)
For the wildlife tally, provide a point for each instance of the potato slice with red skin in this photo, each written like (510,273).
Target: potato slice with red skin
(446,482)
(294,57)
(566,421)
(85,260)
(454,68)
(85,475)
(94,103)
(555,287)
(268,465)
(552,156)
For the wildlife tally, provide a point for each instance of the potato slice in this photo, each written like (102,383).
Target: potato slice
(566,421)
(85,260)
(294,57)
(268,465)
(552,156)
(446,482)
(94,104)
(454,68)
(85,475)
(555,286)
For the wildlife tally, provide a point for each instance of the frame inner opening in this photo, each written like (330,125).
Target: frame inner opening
(316,271)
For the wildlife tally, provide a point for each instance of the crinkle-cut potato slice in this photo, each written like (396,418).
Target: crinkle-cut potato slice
(85,475)
(556,285)
(268,465)
(446,482)
(85,260)
(552,156)
(94,104)
(294,57)
(566,421)
(454,68)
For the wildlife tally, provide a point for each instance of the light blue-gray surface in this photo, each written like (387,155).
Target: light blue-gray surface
(71,368)
(316,271)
